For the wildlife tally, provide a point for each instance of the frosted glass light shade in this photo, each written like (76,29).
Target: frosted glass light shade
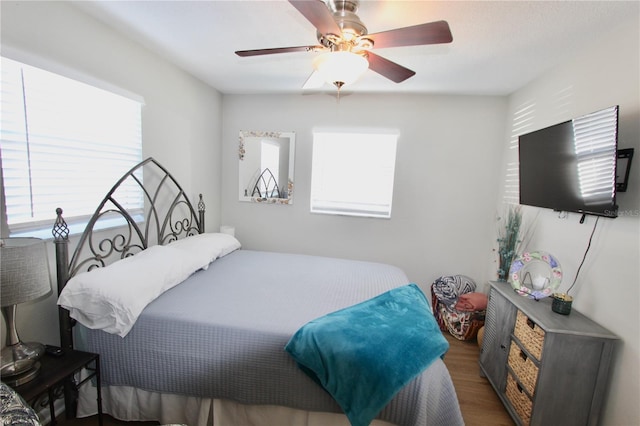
(340,67)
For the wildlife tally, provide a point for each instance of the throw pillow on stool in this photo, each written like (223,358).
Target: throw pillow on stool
(457,307)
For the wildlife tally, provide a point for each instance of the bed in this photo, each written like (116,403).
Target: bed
(194,329)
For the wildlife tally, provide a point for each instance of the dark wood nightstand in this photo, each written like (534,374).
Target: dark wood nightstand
(57,372)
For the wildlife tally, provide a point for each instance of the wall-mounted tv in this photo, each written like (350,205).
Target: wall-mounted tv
(571,166)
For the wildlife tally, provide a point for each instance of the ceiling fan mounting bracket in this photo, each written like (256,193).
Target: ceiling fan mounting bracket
(343,5)
(345,15)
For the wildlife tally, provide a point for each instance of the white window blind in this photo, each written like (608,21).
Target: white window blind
(352,173)
(63,144)
(521,122)
(595,139)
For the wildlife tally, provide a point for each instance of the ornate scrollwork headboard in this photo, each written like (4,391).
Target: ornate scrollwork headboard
(115,231)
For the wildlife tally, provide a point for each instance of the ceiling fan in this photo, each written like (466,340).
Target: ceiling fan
(347,43)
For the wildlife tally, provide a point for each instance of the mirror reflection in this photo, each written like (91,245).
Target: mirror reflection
(266,167)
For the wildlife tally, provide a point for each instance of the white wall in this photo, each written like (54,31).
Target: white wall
(607,289)
(445,181)
(181,121)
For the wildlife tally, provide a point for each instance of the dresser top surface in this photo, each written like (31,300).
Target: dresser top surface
(540,312)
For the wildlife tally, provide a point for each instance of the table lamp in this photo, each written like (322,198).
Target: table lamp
(24,276)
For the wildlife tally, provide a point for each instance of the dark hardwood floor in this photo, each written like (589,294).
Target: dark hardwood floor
(479,403)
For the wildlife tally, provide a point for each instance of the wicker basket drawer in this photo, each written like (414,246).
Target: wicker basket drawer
(524,368)
(518,400)
(530,334)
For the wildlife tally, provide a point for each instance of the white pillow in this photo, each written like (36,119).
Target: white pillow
(112,298)
(205,248)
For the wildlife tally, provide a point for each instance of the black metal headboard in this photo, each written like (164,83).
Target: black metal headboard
(167,215)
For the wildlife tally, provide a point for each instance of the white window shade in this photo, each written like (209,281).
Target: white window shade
(353,173)
(63,144)
(595,138)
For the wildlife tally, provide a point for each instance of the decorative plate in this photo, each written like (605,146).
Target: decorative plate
(535,274)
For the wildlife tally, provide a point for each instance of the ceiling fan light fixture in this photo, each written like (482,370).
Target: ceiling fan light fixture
(340,67)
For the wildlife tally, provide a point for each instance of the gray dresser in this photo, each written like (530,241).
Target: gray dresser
(547,368)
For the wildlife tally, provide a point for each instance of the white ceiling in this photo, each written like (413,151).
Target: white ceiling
(498,46)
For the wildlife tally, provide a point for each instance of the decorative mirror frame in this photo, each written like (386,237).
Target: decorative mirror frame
(284,190)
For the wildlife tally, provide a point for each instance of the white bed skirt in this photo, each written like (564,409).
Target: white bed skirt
(132,404)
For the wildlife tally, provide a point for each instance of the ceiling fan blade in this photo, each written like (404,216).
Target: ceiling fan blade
(317,12)
(314,81)
(429,33)
(388,69)
(258,52)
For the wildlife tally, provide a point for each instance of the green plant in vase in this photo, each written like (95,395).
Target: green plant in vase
(508,239)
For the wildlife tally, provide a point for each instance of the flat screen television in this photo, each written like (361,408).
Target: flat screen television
(571,166)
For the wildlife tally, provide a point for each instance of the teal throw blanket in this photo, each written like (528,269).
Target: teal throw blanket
(364,354)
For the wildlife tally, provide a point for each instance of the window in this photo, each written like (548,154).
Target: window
(267,184)
(63,144)
(595,140)
(352,173)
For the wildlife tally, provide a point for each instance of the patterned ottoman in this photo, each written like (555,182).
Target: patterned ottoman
(461,318)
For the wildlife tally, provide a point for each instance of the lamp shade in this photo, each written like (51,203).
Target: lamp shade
(341,67)
(24,270)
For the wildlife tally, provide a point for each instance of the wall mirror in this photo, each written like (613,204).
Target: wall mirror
(266,167)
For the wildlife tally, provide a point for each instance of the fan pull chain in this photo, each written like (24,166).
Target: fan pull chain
(339,85)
